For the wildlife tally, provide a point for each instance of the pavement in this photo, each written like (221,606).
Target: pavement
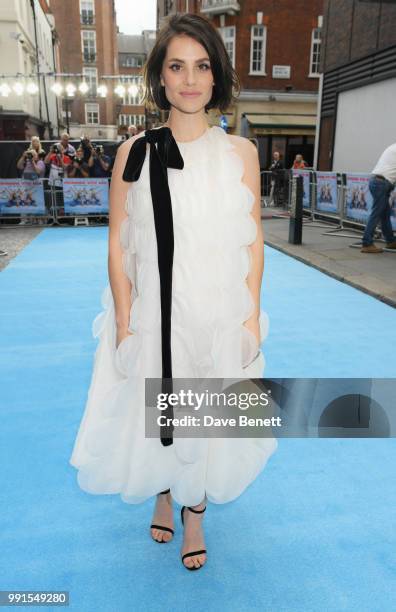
(14,239)
(323,247)
(329,250)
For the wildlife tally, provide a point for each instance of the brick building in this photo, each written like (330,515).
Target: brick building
(275,48)
(88,46)
(357,114)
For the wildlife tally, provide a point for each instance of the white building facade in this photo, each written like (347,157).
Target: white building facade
(26,48)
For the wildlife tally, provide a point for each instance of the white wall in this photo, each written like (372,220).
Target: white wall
(366,125)
(17,17)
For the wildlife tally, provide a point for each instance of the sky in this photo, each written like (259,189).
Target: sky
(133,16)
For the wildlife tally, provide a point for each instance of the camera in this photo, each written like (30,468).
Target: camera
(56,149)
(85,143)
(99,149)
(29,155)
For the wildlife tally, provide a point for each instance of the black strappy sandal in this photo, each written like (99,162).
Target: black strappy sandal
(194,552)
(153,526)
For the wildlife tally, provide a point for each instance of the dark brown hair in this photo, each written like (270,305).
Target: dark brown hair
(202,30)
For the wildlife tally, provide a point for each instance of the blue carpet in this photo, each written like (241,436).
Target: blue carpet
(316,531)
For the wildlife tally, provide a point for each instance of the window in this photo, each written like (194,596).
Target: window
(228,35)
(89,45)
(92,113)
(130,99)
(316,42)
(132,61)
(91,77)
(257,49)
(125,120)
(87,12)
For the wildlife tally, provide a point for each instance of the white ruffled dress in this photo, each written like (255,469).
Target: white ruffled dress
(213,229)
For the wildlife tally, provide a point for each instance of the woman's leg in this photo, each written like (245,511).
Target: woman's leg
(193,535)
(163,515)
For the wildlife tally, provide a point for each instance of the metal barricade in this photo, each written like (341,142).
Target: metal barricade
(65,218)
(19,194)
(275,188)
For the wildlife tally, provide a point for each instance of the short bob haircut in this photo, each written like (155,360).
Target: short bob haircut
(201,29)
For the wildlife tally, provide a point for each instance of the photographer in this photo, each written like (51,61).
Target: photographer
(78,167)
(87,148)
(65,144)
(31,161)
(99,163)
(58,161)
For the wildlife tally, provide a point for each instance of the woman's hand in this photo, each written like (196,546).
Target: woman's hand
(121,335)
(253,325)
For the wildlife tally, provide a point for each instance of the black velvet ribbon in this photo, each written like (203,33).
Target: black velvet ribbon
(164,154)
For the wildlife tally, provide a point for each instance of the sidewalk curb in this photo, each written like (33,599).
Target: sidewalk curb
(322,268)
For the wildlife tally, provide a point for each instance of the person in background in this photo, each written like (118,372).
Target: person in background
(381,184)
(277,171)
(99,163)
(64,142)
(299,163)
(58,161)
(31,163)
(78,167)
(132,131)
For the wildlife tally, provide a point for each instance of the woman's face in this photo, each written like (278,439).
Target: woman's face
(187,74)
(35,143)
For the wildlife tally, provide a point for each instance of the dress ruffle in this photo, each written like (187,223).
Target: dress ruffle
(211,301)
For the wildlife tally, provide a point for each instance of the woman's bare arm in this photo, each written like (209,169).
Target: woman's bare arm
(251,177)
(120,284)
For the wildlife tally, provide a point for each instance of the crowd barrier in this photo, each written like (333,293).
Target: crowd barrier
(343,198)
(339,197)
(54,202)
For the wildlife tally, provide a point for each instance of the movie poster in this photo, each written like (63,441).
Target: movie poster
(84,196)
(326,192)
(306,186)
(20,196)
(358,197)
(392,204)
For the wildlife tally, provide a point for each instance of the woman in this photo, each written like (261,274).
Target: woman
(32,165)
(31,162)
(299,163)
(213,231)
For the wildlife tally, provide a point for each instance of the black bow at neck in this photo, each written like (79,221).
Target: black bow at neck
(164,154)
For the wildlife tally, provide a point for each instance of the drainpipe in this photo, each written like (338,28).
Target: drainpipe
(37,57)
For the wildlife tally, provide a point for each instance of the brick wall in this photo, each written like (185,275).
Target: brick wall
(289,31)
(68,26)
